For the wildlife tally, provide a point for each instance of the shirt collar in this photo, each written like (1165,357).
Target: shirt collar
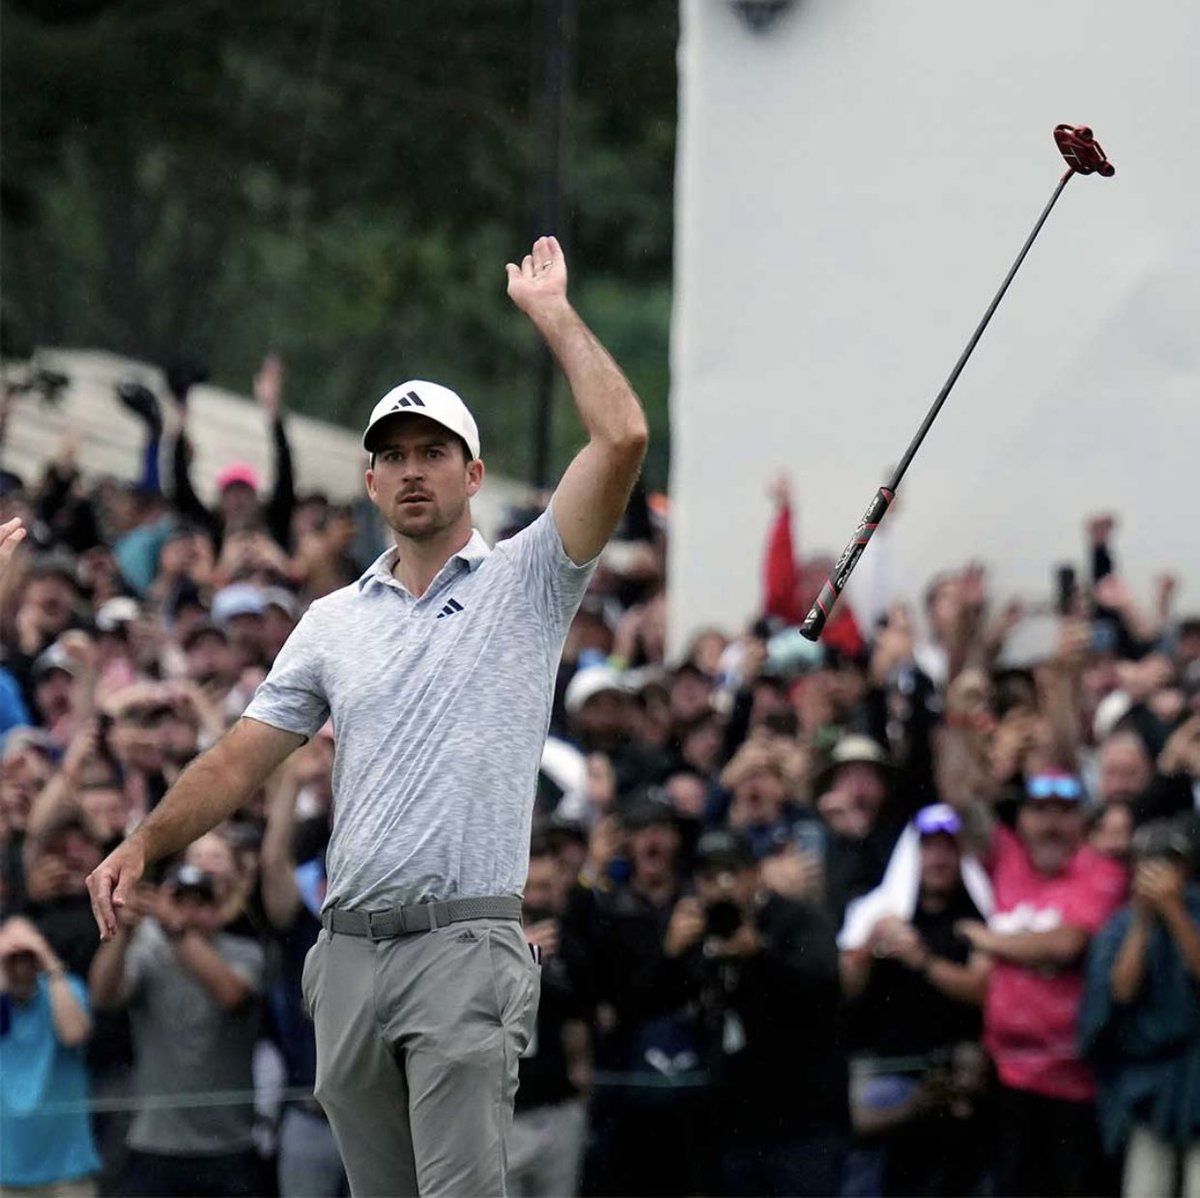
(471,555)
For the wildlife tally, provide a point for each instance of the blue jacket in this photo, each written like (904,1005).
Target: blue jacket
(1146,1053)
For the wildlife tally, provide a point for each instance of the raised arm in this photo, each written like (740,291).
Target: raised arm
(268,390)
(212,788)
(593,492)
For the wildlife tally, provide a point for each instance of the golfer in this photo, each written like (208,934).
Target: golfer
(437,669)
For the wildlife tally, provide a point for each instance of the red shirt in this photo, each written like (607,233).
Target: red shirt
(1031,1011)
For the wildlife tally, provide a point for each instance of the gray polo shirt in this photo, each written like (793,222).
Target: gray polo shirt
(440,707)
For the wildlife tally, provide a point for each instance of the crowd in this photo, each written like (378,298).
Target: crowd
(889,915)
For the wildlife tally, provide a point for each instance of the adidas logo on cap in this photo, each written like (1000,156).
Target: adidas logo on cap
(431,400)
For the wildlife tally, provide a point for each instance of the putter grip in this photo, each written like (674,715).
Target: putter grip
(836,582)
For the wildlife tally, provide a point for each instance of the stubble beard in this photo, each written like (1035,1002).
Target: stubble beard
(427,526)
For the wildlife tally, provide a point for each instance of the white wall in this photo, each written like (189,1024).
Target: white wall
(852,186)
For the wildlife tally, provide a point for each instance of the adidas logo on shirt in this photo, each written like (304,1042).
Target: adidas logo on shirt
(450,608)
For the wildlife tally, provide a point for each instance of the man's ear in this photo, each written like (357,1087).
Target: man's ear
(475,472)
(370,480)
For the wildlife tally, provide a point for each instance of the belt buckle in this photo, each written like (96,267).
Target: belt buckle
(372,935)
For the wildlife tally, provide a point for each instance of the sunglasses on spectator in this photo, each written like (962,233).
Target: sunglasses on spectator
(940,818)
(1054,786)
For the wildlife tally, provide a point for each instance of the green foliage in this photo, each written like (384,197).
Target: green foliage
(342,182)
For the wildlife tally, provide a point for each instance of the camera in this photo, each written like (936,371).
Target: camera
(722,919)
(188,881)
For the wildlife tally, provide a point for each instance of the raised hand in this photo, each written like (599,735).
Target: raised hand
(12,533)
(268,385)
(541,279)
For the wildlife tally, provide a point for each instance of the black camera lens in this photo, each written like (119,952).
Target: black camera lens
(722,919)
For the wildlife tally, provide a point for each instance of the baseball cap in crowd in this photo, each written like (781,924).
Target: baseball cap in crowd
(116,613)
(1161,838)
(238,472)
(431,400)
(723,849)
(938,818)
(237,599)
(646,812)
(590,682)
(53,658)
(1052,784)
(852,750)
(281,598)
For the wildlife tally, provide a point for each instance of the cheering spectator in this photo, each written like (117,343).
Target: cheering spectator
(1140,1023)
(1053,894)
(239,508)
(45,1142)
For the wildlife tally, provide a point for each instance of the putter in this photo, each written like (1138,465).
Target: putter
(1083,156)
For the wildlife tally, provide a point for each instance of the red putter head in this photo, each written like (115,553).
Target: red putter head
(1082,151)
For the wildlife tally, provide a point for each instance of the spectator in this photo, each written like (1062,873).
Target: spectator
(1126,768)
(26,765)
(1140,1023)
(192,992)
(293,889)
(600,720)
(1053,894)
(764,971)
(916,993)
(45,1143)
(1110,830)
(239,508)
(644,1103)
(548,1128)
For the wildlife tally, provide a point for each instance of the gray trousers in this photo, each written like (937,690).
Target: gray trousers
(418,1039)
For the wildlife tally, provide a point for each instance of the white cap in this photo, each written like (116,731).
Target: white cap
(591,681)
(435,402)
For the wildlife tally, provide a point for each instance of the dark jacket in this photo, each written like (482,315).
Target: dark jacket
(1146,1053)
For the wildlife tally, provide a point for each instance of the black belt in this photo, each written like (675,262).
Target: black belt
(418,917)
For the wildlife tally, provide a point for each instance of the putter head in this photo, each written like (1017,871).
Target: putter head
(1082,151)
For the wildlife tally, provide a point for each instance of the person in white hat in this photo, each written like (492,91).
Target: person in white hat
(437,667)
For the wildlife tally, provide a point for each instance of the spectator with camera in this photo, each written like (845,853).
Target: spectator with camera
(45,1142)
(192,991)
(916,993)
(644,1102)
(1140,1023)
(293,889)
(764,971)
(546,1147)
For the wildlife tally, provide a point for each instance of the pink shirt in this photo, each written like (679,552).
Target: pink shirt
(1031,1012)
